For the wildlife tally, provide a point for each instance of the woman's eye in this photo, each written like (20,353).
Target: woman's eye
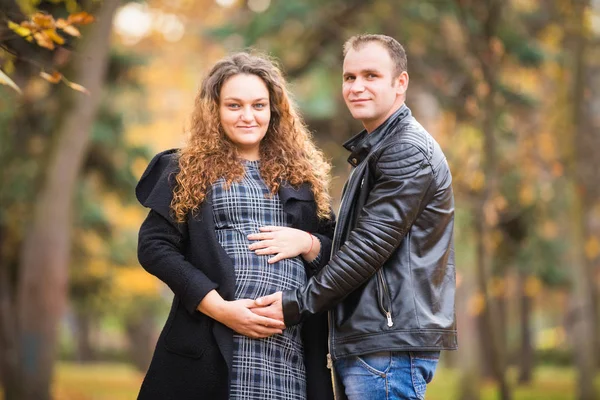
(233,105)
(260,105)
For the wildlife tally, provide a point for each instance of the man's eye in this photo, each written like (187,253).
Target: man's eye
(371,76)
(349,78)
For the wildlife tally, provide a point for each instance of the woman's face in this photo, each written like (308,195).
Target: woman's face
(245,113)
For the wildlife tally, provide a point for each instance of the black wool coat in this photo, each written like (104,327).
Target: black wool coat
(193,354)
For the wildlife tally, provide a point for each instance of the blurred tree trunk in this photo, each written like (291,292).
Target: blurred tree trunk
(83,329)
(43,270)
(469,349)
(526,355)
(142,339)
(480,22)
(579,161)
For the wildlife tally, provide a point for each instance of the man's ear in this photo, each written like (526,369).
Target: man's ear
(401,82)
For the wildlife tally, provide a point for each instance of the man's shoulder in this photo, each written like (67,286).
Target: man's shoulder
(410,133)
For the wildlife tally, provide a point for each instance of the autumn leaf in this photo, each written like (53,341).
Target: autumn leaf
(43,21)
(67,27)
(55,77)
(43,40)
(19,30)
(5,80)
(71,30)
(76,86)
(56,38)
(80,18)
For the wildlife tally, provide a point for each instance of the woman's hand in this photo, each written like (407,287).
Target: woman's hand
(284,242)
(237,316)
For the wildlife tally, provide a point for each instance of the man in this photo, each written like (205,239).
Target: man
(392,275)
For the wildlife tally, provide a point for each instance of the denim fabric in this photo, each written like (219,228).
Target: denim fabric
(387,375)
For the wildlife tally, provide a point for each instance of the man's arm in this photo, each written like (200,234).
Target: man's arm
(403,177)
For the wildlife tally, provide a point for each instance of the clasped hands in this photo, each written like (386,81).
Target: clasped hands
(262,317)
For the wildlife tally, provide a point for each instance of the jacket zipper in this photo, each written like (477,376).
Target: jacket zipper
(334,248)
(388,311)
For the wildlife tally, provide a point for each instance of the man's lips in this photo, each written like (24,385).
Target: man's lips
(359,100)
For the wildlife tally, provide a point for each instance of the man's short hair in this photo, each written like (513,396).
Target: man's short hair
(394,48)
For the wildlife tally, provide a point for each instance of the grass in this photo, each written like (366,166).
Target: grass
(121,382)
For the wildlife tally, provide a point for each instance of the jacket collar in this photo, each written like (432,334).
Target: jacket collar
(361,145)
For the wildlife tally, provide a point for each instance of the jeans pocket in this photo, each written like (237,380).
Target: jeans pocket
(378,363)
(422,368)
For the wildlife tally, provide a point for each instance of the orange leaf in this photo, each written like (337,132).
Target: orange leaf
(81,18)
(43,40)
(56,38)
(43,21)
(61,23)
(54,78)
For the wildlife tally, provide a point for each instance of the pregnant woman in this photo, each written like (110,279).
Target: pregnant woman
(249,163)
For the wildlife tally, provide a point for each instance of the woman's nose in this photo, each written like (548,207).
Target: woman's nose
(247,114)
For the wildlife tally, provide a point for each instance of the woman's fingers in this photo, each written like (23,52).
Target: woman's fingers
(270,228)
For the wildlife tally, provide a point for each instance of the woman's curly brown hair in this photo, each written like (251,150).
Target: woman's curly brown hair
(287,152)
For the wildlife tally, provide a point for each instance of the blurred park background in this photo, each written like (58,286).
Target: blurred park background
(92,89)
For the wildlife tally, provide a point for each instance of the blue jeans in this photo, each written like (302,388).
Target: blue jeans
(387,375)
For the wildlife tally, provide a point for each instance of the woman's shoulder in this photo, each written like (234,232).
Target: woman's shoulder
(155,187)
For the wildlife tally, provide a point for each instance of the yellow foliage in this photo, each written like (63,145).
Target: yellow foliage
(98,267)
(550,338)
(56,38)
(123,217)
(135,281)
(526,6)
(526,195)
(93,243)
(533,286)
(477,180)
(476,304)
(497,287)
(552,36)
(592,247)
(547,147)
(139,165)
(19,30)
(549,230)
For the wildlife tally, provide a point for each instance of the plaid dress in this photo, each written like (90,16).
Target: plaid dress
(270,368)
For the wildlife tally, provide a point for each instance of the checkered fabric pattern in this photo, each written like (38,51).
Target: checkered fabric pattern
(271,368)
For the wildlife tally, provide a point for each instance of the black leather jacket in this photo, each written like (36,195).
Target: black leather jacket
(392,272)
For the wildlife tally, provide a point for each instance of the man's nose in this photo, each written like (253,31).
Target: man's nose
(357,86)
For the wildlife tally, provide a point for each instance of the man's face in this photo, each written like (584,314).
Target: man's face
(370,90)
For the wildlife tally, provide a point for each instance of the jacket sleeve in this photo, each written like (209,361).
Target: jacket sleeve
(324,234)
(161,253)
(162,241)
(402,178)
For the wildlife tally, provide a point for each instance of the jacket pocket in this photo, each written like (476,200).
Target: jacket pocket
(384,298)
(187,335)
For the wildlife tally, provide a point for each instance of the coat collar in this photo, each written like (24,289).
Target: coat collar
(361,145)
